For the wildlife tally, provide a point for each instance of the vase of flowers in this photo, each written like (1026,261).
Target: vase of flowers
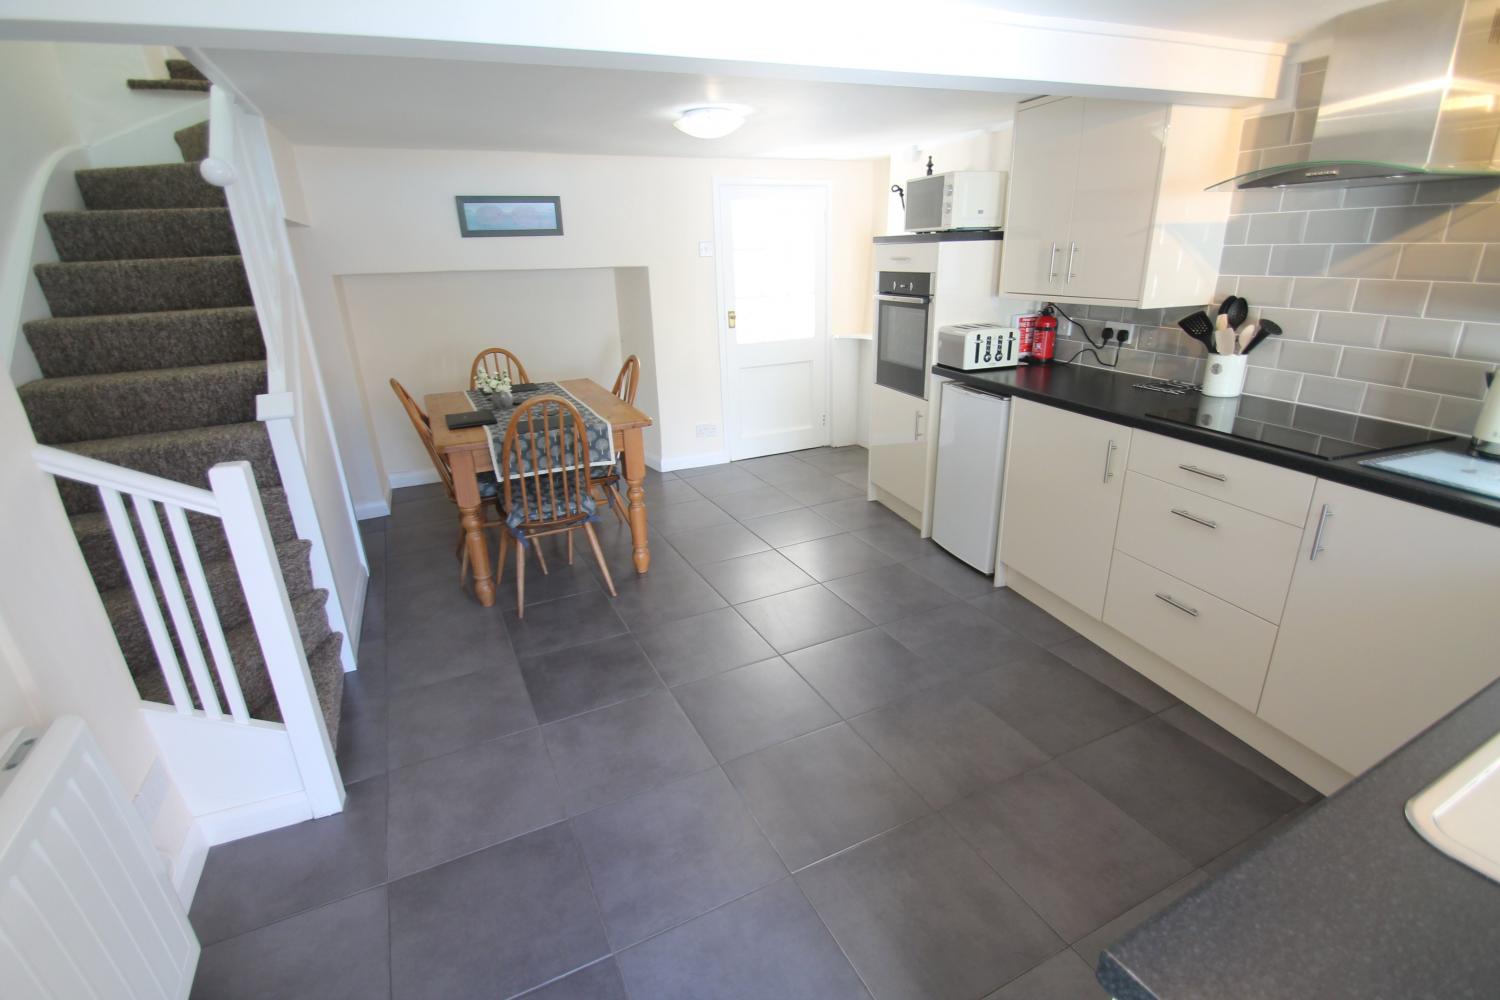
(496,385)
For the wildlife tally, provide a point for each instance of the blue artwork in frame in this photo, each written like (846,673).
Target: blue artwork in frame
(509,215)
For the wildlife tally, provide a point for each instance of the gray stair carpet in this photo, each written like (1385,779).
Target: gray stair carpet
(152,359)
(184,86)
(182,69)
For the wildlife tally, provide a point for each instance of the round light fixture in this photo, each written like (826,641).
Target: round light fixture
(709,123)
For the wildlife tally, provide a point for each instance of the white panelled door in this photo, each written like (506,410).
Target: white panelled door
(773,315)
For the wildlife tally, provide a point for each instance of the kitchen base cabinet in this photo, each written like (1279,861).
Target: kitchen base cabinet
(1063,478)
(898,445)
(1389,625)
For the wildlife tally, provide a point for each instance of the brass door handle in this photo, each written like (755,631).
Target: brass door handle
(731,319)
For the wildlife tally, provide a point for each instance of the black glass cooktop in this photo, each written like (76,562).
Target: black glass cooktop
(1306,429)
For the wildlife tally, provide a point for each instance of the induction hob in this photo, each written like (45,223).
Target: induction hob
(1309,430)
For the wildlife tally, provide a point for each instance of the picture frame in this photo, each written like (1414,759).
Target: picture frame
(509,215)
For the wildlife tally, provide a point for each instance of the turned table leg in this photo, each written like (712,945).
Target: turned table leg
(471,517)
(635,495)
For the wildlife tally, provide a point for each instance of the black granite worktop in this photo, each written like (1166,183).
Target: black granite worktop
(1349,901)
(1113,396)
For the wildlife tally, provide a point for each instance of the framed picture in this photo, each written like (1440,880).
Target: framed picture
(509,215)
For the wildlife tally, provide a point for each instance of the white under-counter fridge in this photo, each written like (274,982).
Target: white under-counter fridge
(970,467)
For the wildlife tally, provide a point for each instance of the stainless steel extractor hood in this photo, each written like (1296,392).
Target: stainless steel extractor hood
(1412,93)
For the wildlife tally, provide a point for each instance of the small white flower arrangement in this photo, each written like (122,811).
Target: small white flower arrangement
(492,383)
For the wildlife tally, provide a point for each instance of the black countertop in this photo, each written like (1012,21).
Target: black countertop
(1349,901)
(1112,396)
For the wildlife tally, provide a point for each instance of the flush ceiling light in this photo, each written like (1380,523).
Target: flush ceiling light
(709,123)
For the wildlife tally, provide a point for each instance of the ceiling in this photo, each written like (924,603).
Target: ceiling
(1263,20)
(399,102)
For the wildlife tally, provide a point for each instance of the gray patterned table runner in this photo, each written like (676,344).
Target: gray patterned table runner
(601,436)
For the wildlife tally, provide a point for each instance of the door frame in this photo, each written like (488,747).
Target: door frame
(721,325)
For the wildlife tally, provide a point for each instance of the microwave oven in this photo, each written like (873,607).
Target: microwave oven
(960,199)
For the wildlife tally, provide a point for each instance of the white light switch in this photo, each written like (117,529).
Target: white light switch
(705,249)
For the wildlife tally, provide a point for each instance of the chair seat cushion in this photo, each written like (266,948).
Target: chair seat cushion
(489,489)
(602,472)
(545,508)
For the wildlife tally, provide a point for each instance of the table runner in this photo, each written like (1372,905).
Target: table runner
(600,435)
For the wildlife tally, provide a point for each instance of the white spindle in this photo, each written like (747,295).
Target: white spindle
(145,598)
(192,567)
(182,618)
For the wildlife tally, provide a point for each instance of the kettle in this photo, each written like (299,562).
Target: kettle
(1486,439)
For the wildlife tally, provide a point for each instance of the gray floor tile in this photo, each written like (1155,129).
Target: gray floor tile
(251,882)
(802,618)
(761,574)
(1078,859)
(335,952)
(1064,976)
(619,751)
(1214,736)
(421,510)
(600,981)
(690,649)
(1253,843)
(427,539)
(857,512)
(792,526)
(723,541)
(671,492)
(724,482)
(753,707)
(406,494)
(776,468)
(687,515)
(1089,948)
(821,793)
(700,470)
(1053,705)
(582,678)
(835,555)
(669,855)
(840,459)
(888,593)
(362,718)
(449,806)
(1194,798)
(439,718)
(960,638)
(958,578)
(665,594)
(445,653)
(822,489)
(922,917)
(561,580)
(567,621)
(946,745)
(1106,669)
(901,542)
(1009,608)
(859,478)
(450,939)
(756,502)
(764,945)
(856,673)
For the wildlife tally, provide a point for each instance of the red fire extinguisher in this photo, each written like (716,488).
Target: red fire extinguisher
(1038,339)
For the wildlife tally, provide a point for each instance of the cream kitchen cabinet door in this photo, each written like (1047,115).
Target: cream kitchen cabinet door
(1388,626)
(1113,199)
(898,445)
(1064,474)
(1036,225)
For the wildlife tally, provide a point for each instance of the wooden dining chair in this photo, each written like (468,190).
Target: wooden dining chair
(605,484)
(544,481)
(496,360)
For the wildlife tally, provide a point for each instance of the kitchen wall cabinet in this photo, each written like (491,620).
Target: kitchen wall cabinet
(1106,202)
(898,445)
(1063,480)
(1387,626)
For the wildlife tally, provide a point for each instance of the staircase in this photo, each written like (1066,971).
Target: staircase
(182,76)
(152,360)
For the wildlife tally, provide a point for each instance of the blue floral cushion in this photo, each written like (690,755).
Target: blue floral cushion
(489,489)
(542,508)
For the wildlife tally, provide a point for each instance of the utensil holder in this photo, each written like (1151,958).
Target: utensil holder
(1218,413)
(1225,375)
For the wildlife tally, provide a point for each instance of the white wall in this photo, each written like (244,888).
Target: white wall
(989,150)
(391,212)
(633,299)
(424,330)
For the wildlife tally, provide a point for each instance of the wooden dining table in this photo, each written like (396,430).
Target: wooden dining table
(468,454)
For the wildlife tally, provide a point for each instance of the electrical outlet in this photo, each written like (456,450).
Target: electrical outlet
(1124,332)
(708,430)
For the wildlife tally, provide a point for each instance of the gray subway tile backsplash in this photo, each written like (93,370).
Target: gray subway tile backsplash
(1266,291)
(1299,260)
(1448,376)
(1322,293)
(1403,298)
(1489,264)
(1379,195)
(1377,260)
(1385,367)
(1474,302)
(1332,393)
(1439,261)
(1405,405)
(1315,359)
(1458,415)
(1350,329)
(1272,382)
(1245,260)
(1458,192)
(1344,225)
(1407,224)
(1311,196)
(1480,342)
(1421,336)
(1296,324)
(1472,223)
(1277,227)
(1268,130)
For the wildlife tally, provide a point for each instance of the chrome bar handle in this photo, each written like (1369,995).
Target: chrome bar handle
(1195,518)
(1220,477)
(916,425)
(1109,455)
(1072,252)
(1317,543)
(1177,604)
(1052,264)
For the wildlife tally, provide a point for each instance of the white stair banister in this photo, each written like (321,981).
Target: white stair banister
(254,553)
(213,631)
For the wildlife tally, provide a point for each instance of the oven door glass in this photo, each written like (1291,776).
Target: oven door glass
(901,345)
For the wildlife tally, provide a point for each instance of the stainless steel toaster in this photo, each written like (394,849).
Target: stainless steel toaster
(976,346)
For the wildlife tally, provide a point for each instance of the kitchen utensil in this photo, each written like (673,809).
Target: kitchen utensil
(1238,311)
(1242,337)
(1268,328)
(1199,327)
(1223,338)
(1221,322)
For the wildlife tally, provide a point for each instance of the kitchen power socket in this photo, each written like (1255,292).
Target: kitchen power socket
(1124,332)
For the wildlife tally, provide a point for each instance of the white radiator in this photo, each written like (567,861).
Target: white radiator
(85,909)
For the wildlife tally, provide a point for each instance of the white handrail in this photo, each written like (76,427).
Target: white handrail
(90,470)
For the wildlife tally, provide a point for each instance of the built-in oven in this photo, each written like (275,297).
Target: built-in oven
(903,331)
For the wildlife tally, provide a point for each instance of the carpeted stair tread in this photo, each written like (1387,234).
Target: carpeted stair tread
(327,668)
(94,407)
(161,185)
(96,539)
(129,342)
(193,141)
(183,456)
(141,233)
(182,86)
(249,660)
(182,69)
(98,287)
(228,596)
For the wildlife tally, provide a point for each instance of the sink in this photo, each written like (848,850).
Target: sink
(1459,814)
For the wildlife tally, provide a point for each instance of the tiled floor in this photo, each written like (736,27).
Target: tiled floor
(808,756)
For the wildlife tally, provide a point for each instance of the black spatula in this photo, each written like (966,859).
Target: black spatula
(1200,328)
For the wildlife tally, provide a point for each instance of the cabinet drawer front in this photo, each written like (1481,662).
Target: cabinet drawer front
(1244,482)
(1232,553)
(1224,647)
(906,256)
